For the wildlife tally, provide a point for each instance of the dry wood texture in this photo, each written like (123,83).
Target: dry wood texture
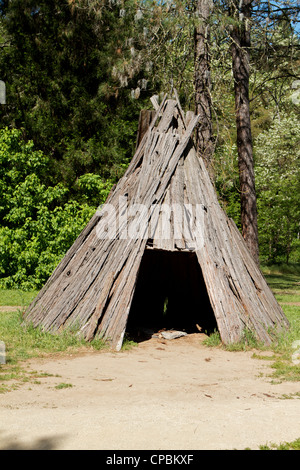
(178,210)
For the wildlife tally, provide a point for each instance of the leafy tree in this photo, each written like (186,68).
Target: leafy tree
(58,65)
(38,222)
(278,185)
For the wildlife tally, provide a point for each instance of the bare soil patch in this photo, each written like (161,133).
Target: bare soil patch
(161,394)
(10,308)
(296,304)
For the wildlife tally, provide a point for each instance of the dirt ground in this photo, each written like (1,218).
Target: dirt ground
(160,395)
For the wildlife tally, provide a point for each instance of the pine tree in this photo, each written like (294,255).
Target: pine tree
(60,84)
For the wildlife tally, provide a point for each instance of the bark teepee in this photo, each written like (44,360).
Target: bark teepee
(94,286)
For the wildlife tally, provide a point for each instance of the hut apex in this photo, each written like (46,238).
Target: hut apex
(160,252)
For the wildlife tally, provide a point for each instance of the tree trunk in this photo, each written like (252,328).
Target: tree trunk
(202,83)
(241,70)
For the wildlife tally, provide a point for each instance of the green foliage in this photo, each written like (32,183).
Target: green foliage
(57,60)
(278,189)
(39,222)
(92,189)
(31,249)
(227,180)
(277,173)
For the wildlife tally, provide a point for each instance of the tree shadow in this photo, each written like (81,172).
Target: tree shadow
(43,443)
(282,281)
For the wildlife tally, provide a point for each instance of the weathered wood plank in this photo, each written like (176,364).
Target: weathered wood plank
(146,117)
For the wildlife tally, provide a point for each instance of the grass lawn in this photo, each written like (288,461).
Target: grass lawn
(24,342)
(15,297)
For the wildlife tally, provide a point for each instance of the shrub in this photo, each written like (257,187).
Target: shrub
(39,221)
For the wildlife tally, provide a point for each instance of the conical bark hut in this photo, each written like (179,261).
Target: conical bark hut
(165,202)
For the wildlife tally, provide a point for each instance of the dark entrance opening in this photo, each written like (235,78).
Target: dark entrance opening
(171,294)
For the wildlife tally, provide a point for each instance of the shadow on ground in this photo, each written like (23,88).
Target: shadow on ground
(43,443)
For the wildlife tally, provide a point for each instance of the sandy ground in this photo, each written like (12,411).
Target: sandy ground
(160,395)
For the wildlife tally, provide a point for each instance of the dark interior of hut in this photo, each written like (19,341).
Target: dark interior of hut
(170,294)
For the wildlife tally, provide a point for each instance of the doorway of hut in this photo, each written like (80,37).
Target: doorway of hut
(170,294)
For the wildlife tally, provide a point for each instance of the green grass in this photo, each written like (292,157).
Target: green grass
(294,445)
(15,297)
(63,385)
(25,342)
(288,297)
